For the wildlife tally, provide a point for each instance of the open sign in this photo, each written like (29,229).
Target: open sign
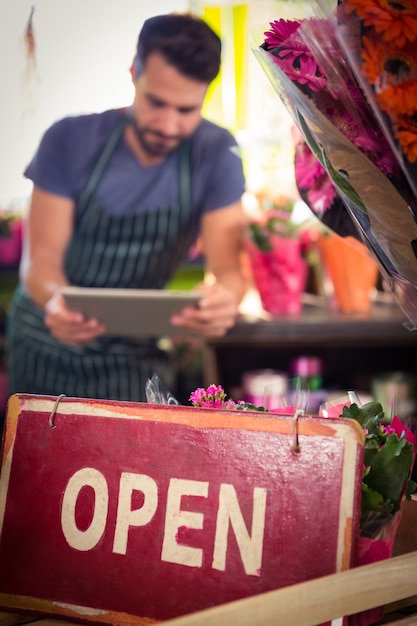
(125,512)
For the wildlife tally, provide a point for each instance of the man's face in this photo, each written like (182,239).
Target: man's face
(167,106)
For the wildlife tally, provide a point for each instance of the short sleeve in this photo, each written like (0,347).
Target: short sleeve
(218,169)
(51,167)
(68,151)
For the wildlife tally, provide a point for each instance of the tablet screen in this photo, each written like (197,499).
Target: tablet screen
(132,312)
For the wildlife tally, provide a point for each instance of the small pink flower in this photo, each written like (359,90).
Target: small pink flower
(197,396)
(213,397)
(215,391)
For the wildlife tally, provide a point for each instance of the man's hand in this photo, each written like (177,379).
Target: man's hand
(215,313)
(70,327)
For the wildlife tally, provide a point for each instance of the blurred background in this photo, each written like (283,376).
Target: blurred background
(62,57)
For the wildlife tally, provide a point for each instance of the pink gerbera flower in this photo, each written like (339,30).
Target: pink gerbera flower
(280,31)
(321,198)
(307,167)
(290,52)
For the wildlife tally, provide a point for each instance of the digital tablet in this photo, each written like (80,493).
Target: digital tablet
(132,312)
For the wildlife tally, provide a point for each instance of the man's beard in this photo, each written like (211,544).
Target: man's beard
(156,148)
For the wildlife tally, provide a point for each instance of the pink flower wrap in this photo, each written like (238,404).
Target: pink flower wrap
(371,551)
(280,275)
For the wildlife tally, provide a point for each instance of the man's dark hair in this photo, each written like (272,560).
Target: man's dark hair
(185,41)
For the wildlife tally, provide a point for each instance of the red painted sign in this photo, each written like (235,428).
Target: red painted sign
(131,512)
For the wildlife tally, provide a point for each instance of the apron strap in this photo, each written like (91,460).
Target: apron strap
(101,163)
(184,177)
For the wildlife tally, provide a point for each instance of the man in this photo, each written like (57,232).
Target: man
(118,199)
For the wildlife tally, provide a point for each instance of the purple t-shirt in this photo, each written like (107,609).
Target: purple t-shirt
(70,147)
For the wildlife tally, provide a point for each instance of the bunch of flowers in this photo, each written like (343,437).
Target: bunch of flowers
(214,397)
(388,460)
(383,47)
(347,78)
(273,219)
(388,456)
(277,248)
(302,49)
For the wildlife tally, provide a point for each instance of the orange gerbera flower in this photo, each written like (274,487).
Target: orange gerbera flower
(393,73)
(374,58)
(406,133)
(401,99)
(395,20)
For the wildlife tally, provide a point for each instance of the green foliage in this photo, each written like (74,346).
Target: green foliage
(365,413)
(5,230)
(6,220)
(248,406)
(388,459)
(389,468)
(260,236)
(273,222)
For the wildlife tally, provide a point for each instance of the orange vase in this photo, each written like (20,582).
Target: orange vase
(351,269)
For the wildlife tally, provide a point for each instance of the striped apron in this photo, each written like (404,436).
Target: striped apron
(142,250)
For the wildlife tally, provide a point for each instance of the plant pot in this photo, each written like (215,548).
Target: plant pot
(11,245)
(352,271)
(280,275)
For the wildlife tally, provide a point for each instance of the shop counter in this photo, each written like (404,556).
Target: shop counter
(353,348)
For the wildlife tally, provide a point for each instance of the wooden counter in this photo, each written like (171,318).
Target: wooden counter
(354,348)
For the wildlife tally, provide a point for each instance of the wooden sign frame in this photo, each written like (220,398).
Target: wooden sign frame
(128,513)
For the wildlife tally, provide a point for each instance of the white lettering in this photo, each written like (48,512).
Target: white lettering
(139,517)
(172,551)
(84,540)
(250,547)
(177,521)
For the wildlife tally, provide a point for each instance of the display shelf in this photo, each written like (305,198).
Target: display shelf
(353,348)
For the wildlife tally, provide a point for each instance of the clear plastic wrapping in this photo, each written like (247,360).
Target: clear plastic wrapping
(314,66)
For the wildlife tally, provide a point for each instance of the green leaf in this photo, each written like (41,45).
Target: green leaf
(248,406)
(389,469)
(369,413)
(373,500)
(410,488)
(259,237)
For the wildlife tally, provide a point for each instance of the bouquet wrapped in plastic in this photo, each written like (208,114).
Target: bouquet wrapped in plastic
(350,149)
